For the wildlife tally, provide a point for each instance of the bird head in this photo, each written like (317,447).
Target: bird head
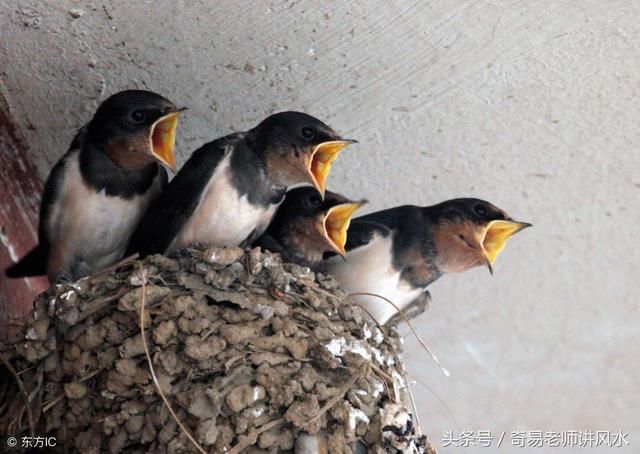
(297,149)
(320,224)
(470,232)
(136,127)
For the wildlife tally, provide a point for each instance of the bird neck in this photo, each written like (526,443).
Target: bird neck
(250,178)
(415,251)
(101,172)
(303,243)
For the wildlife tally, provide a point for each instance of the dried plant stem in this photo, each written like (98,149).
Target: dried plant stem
(397,358)
(153,373)
(54,402)
(252,437)
(406,320)
(411,398)
(383,374)
(343,390)
(23,390)
(118,264)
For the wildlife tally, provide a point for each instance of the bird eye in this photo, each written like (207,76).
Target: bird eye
(307,133)
(315,200)
(481,210)
(137,116)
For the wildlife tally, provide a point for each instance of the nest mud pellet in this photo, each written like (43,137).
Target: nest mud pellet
(252,355)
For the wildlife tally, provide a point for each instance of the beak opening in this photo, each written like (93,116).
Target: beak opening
(162,139)
(321,159)
(495,238)
(336,223)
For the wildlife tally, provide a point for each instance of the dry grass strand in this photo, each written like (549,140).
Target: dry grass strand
(23,390)
(413,330)
(153,372)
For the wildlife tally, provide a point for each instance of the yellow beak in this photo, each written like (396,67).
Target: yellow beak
(336,223)
(495,238)
(163,138)
(321,159)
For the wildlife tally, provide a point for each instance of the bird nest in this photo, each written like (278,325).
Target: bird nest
(221,350)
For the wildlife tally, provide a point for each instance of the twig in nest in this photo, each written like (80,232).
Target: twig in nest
(341,392)
(316,288)
(385,376)
(247,266)
(55,401)
(386,381)
(251,438)
(413,401)
(117,265)
(152,370)
(406,320)
(161,279)
(299,299)
(23,390)
(397,358)
(96,304)
(231,361)
(52,403)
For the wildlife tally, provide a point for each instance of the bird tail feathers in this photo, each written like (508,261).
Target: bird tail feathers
(32,264)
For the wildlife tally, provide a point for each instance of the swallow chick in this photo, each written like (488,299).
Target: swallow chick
(396,253)
(98,191)
(229,190)
(306,227)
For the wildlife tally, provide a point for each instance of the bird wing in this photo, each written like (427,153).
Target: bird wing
(35,262)
(173,208)
(383,222)
(361,232)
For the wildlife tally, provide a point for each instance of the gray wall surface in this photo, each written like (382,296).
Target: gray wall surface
(531,105)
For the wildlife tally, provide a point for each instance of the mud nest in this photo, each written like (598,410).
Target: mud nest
(241,353)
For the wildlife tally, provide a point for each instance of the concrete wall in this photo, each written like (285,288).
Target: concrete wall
(532,105)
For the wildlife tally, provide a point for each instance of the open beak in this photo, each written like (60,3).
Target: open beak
(321,159)
(336,223)
(163,138)
(495,238)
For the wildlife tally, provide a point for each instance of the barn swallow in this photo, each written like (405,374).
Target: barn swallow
(229,190)
(98,191)
(396,253)
(306,227)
